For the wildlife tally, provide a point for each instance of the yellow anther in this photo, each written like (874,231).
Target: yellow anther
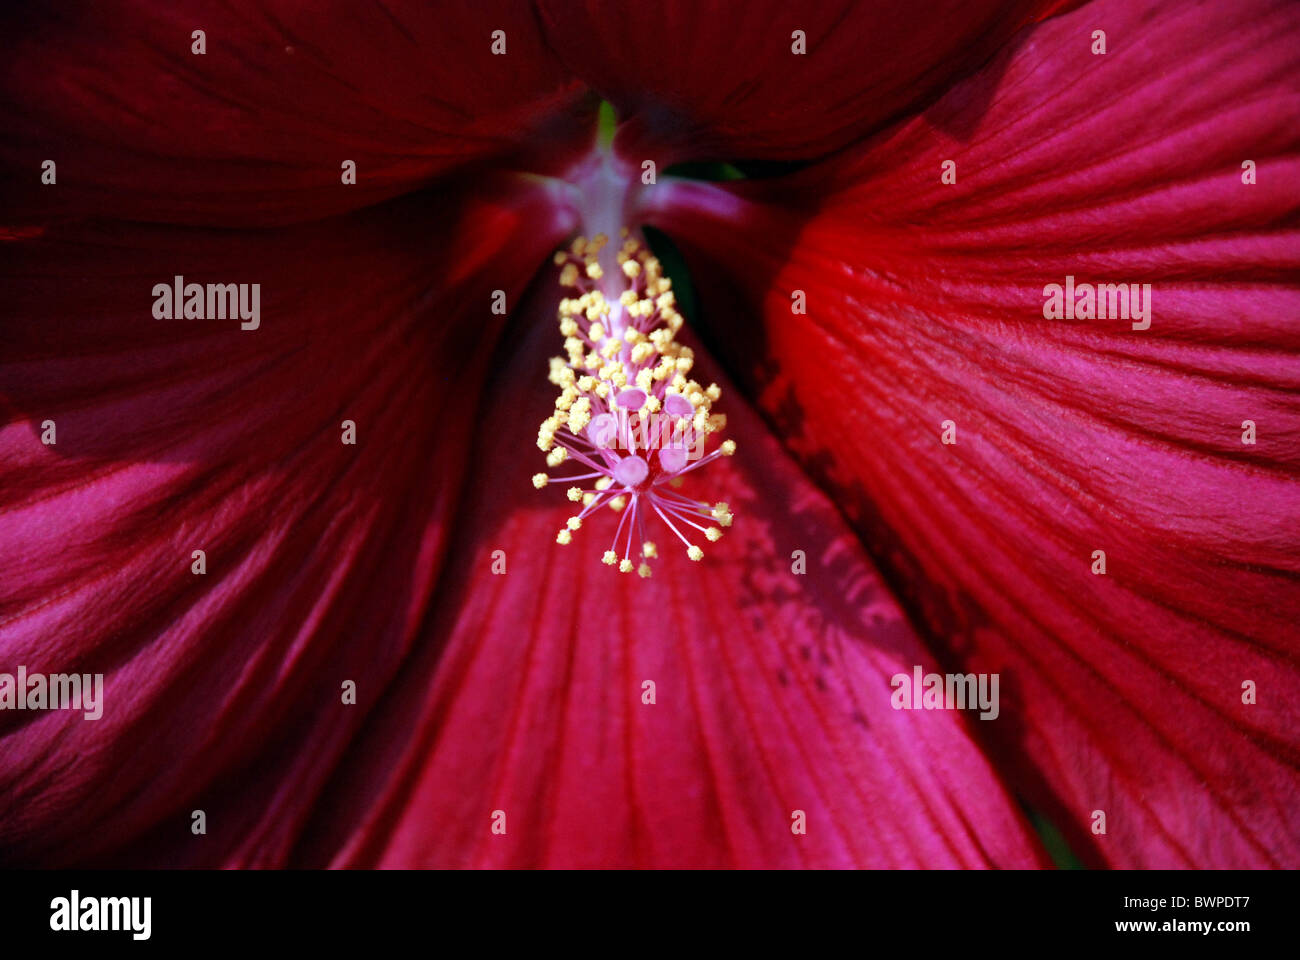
(625,566)
(594,271)
(564,536)
(714,534)
(714,392)
(574,494)
(558,371)
(597,331)
(695,553)
(604,483)
(644,570)
(610,558)
(556,456)
(569,275)
(618,503)
(540,480)
(579,414)
(573,523)
(631,268)
(728,447)
(648,549)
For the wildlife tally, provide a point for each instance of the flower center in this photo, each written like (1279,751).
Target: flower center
(627,415)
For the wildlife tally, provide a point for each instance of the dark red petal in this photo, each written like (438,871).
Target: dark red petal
(772,691)
(223,690)
(256,130)
(925,304)
(722,82)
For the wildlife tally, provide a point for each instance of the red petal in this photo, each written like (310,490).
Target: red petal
(725,83)
(256,130)
(925,304)
(223,691)
(772,692)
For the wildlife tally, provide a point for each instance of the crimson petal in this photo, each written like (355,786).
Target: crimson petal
(223,691)
(255,131)
(722,81)
(925,304)
(772,691)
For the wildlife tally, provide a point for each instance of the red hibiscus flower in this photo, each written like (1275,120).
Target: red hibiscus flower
(295,532)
